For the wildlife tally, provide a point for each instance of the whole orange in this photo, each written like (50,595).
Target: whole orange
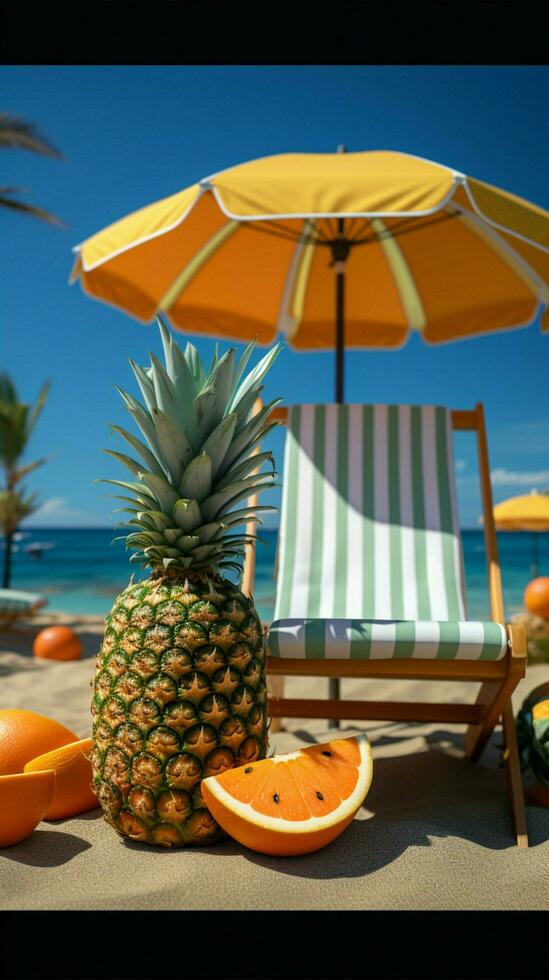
(24,799)
(73,778)
(57,643)
(536,597)
(25,734)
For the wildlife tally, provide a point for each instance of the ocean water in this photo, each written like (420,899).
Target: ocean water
(81,572)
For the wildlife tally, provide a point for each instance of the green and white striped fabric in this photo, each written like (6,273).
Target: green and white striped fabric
(370,559)
(360,639)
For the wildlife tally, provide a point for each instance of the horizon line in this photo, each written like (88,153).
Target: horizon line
(107,527)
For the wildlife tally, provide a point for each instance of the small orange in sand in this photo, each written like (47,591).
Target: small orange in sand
(73,777)
(25,734)
(57,643)
(536,597)
(295,803)
(24,799)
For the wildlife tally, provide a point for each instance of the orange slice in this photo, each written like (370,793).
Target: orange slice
(294,803)
(73,778)
(541,710)
(26,734)
(24,800)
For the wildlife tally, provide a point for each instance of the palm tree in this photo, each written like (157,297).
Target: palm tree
(17,422)
(16,133)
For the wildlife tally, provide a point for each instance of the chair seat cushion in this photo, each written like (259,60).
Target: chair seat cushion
(377,639)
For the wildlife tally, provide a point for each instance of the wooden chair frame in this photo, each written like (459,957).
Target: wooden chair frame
(498,677)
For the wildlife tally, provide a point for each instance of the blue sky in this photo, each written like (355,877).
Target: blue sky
(131,135)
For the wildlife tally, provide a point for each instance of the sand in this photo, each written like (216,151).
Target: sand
(435,834)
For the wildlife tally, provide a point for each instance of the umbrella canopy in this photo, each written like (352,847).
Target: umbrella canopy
(527,512)
(252,250)
(332,250)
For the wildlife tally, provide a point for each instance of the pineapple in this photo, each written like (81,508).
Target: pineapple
(179,691)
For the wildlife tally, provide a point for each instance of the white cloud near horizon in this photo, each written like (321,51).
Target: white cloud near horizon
(52,505)
(59,511)
(520,478)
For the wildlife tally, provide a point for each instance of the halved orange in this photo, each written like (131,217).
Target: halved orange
(73,778)
(26,734)
(541,710)
(294,803)
(24,800)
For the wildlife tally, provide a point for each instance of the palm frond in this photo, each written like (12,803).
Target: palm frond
(22,471)
(14,204)
(17,422)
(17,133)
(38,406)
(8,391)
(15,506)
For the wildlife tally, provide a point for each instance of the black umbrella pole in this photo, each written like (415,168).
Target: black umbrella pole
(340,333)
(535,560)
(334,685)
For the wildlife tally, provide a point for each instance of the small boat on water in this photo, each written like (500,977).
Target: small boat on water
(37,548)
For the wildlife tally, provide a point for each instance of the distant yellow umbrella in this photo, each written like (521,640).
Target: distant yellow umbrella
(527,512)
(256,250)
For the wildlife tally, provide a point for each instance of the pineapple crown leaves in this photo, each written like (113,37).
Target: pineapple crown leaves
(198,458)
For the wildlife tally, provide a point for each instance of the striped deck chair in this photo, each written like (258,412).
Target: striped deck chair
(15,605)
(370,579)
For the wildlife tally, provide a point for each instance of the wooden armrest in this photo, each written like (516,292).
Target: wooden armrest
(517,640)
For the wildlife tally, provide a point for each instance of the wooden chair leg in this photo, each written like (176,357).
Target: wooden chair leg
(513,777)
(491,698)
(275,689)
(494,696)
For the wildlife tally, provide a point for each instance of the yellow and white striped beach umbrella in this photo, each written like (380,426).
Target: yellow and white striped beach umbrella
(527,512)
(331,250)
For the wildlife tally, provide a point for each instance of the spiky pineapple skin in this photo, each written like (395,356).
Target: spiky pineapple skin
(179,694)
